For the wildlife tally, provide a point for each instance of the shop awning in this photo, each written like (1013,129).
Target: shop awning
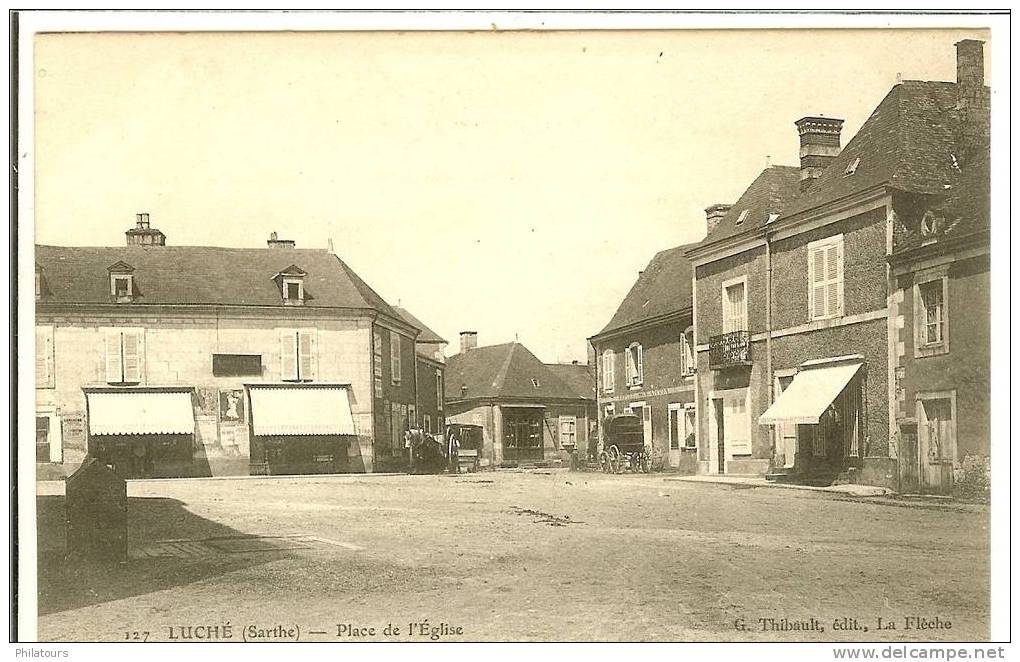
(289,410)
(141,412)
(809,394)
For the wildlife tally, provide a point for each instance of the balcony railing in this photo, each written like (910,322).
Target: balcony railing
(729,349)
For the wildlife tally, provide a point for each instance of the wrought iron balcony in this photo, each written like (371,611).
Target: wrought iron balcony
(729,349)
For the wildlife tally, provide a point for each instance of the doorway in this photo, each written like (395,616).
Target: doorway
(936,441)
(720,434)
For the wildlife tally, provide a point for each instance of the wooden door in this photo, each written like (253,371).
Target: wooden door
(785,433)
(720,434)
(936,445)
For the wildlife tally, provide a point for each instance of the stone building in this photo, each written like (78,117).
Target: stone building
(170,361)
(530,413)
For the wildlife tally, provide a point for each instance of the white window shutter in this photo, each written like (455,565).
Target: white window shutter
(130,344)
(43,356)
(818,290)
(288,355)
(114,371)
(640,364)
(306,341)
(832,280)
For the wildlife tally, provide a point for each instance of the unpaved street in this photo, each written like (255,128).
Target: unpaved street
(543,555)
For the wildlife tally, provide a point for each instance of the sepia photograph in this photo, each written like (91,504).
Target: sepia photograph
(492,329)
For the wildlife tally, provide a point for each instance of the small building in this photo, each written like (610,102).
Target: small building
(645,359)
(530,413)
(172,361)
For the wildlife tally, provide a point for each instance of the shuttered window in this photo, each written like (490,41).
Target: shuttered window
(439,390)
(635,365)
(395,367)
(686,355)
(377,361)
(298,355)
(608,370)
(735,307)
(44,357)
(125,355)
(825,278)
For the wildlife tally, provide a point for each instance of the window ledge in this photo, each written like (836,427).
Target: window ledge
(934,349)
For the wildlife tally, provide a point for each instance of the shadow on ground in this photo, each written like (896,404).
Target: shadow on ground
(72,583)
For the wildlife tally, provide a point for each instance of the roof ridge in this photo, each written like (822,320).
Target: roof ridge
(500,380)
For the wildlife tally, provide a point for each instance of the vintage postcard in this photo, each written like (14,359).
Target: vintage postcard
(472,328)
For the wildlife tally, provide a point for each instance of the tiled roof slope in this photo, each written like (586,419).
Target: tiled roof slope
(663,287)
(203,275)
(577,376)
(769,193)
(427,335)
(907,144)
(503,372)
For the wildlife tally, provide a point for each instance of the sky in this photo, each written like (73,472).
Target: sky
(509,183)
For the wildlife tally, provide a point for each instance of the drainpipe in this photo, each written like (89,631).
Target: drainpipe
(768,332)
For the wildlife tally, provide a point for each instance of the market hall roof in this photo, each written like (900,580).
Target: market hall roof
(663,287)
(203,275)
(503,372)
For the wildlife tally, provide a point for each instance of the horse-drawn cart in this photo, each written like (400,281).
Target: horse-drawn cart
(624,445)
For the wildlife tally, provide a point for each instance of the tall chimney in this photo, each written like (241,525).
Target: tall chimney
(972,99)
(142,234)
(716,213)
(468,340)
(819,144)
(273,242)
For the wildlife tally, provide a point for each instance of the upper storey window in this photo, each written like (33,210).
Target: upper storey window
(122,282)
(291,282)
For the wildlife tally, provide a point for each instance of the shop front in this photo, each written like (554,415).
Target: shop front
(818,419)
(522,433)
(299,429)
(144,432)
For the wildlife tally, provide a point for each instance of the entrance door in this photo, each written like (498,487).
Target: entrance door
(677,433)
(785,433)
(936,433)
(720,436)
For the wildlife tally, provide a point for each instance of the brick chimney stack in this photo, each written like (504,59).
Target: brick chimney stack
(468,340)
(144,235)
(972,99)
(274,242)
(716,213)
(819,144)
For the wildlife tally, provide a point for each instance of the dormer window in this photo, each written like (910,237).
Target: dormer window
(535,383)
(122,282)
(742,217)
(293,290)
(38,282)
(851,167)
(291,282)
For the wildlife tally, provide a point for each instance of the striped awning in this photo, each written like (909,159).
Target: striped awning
(290,410)
(141,412)
(809,394)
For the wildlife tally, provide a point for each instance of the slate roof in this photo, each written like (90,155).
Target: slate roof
(503,372)
(663,287)
(203,275)
(907,143)
(577,376)
(427,335)
(769,193)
